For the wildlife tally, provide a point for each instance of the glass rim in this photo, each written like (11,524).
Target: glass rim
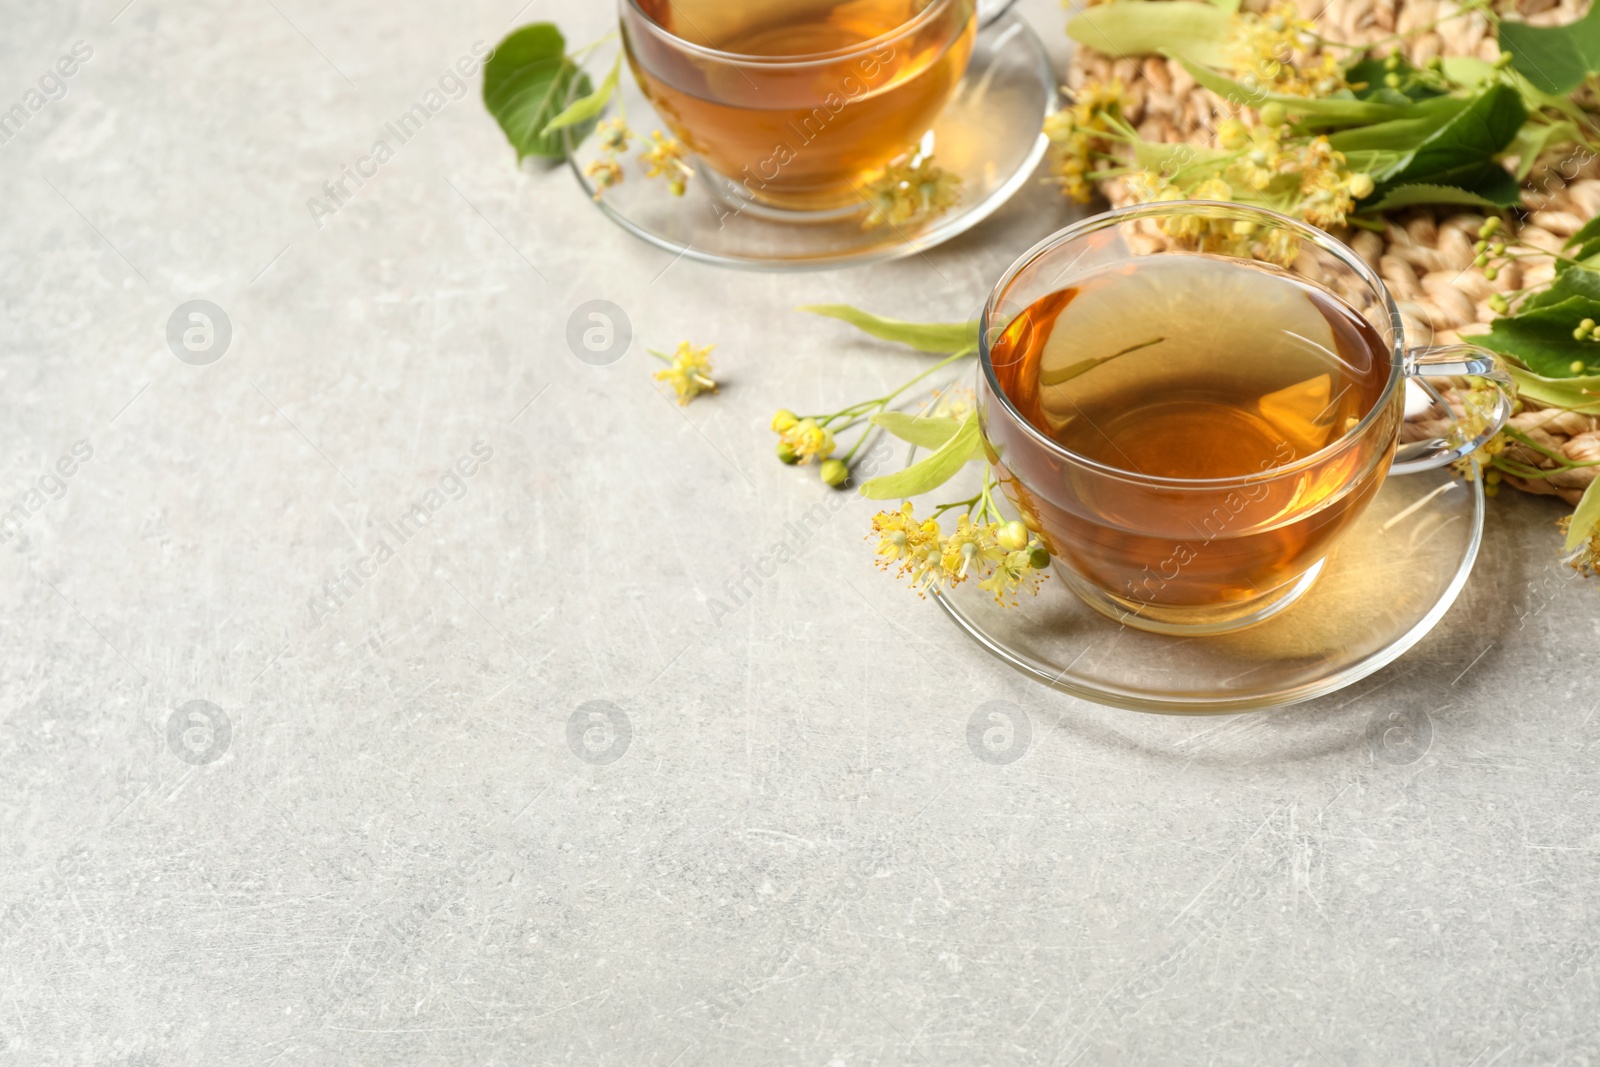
(912,24)
(1094,223)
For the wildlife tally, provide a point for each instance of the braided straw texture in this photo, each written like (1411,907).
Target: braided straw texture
(1424,255)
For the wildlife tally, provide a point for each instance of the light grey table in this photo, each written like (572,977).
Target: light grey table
(384,845)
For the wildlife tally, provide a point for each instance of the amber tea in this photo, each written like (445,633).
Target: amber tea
(1166,372)
(795,100)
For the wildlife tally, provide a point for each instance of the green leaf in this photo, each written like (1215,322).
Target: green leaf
(928,474)
(923,336)
(1589,231)
(1462,152)
(1195,31)
(1410,195)
(1399,137)
(1371,72)
(1542,337)
(1534,138)
(1588,241)
(587,107)
(924,431)
(1586,518)
(1555,59)
(1576,394)
(1468,71)
(1576,283)
(1310,112)
(1539,335)
(526,82)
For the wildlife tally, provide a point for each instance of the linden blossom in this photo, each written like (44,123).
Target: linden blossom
(402,129)
(452,484)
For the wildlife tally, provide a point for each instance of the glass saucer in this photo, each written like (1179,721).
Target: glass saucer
(1386,584)
(990,135)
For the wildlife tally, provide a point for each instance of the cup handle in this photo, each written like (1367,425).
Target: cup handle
(1453,361)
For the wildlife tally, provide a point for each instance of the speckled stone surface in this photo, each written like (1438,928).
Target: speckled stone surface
(379,837)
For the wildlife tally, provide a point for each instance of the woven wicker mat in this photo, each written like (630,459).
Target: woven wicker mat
(1425,255)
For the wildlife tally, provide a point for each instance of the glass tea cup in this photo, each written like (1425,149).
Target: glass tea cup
(794,101)
(1190,426)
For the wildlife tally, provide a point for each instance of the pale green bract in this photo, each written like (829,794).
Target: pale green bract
(924,431)
(930,473)
(924,337)
(1586,518)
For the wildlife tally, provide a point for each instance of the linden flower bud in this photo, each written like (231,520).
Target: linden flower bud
(1392,80)
(1273,114)
(1576,366)
(787,454)
(1491,273)
(1038,557)
(1588,325)
(1491,226)
(1480,246)
(1361,186)
(1503,60)
(835,473)
(1579,333)
(1013,536)
(784,421)
(1498,304)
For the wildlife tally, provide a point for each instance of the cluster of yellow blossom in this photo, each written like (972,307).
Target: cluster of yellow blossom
(1302,177)
(688,371)
(1077,135)
(1005,554)
(953,403)
(910,190)
(801,440)
(664,158)
(1586,558)
(1274,52)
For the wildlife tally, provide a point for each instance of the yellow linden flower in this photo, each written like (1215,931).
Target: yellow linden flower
(902,538)
(1267,46)
(665,158)
(1261,160)
(1013,573)
(1326,187)
(1232,134)
(613,135)
(953,403)
(689,372)
(1095,99)
(605,173)
(911,190)
(808,440)
(971,547)
(1282,246)
(1586,557)
(1076,135)
(1212,188)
